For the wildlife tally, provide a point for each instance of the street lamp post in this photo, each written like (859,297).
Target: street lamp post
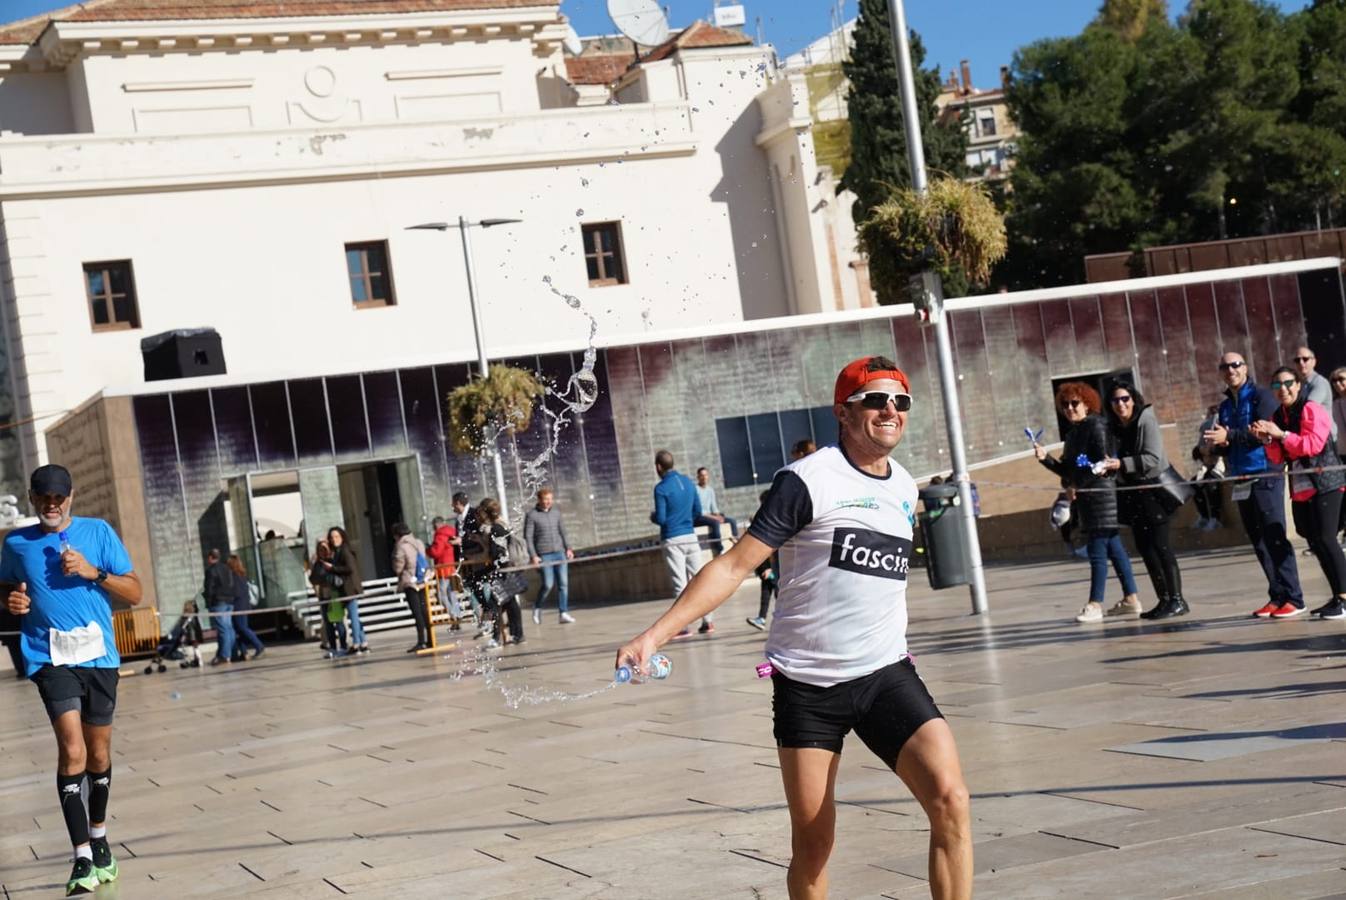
(897,20)
(465,229)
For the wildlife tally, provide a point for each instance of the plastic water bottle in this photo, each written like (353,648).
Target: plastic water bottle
(659,667)
(64,538)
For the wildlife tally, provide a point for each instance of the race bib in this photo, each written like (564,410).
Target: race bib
(1242,491)
(79,645)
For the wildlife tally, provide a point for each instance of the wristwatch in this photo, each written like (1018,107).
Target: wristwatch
(102,576)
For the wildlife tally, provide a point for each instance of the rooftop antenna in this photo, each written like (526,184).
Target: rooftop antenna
(642,21)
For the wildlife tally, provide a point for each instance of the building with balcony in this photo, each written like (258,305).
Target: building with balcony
(991,130)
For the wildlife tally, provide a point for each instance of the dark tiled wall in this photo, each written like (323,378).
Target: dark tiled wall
(671,394)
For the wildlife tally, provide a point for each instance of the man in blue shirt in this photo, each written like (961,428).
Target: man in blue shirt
(59,576)
(676,509)
(1261,499)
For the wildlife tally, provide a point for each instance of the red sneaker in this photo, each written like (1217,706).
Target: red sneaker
(1288,610)
(1267,611)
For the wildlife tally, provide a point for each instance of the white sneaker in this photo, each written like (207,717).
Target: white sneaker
(567,619)
(492,644)
(537,616)
(1092,612)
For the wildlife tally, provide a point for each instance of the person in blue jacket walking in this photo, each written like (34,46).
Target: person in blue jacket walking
(676,509)
(1260,499)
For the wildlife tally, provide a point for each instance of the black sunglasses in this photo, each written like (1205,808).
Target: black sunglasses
(1123,398)
(877,400)
(1304,359)
(1289,383)
(1225,367)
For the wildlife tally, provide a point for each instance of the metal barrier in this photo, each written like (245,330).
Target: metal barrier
(136,631)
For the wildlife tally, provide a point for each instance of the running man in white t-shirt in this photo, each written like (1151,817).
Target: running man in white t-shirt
(842,520)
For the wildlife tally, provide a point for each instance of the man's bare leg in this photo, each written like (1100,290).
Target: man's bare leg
(810,776)
(71,755)
(929,766)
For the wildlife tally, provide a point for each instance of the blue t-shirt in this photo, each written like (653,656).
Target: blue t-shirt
(63,602)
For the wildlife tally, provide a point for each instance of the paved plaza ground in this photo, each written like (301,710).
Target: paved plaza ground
(1201,758)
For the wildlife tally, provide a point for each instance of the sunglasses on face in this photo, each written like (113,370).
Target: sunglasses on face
(1339,380)
(1124,398)
(1284,385)
(1304,359)
(1071,404)
(1225,367)
(878,400)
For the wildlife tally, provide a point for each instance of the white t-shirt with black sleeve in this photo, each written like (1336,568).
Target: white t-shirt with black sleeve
(845,542)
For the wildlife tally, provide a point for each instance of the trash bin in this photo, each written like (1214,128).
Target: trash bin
(946,561)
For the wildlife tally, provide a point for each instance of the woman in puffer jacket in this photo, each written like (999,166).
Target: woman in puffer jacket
(1140,461)
(1087,443)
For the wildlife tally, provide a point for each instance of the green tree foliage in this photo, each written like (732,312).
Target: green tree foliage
(482,408)
(1141,131)
(878,142)
(1129,18)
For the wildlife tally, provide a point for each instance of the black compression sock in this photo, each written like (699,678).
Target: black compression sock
(100,785)
(72,808)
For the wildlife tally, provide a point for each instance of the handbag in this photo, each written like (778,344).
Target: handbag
(1174,490)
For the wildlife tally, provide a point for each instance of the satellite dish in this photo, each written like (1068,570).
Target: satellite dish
(574,46)
(642,21)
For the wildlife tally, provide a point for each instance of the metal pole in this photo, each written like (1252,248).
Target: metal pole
(464,227)
(947,381)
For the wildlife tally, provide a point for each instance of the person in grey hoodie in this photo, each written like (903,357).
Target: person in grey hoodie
(545,535)
(1140,460)
(406,549)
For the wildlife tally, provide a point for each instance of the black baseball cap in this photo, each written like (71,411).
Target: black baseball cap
(51,479)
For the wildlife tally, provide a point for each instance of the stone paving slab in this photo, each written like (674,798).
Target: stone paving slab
(1190,759)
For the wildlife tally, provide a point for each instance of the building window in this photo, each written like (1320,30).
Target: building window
(987,126)
(371,280)
(603,253)
(753,448)
(112,295)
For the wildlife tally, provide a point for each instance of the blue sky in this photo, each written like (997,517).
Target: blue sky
(984,31)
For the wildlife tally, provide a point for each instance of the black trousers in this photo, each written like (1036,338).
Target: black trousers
(1316,522)
(1152,540)
(416,600)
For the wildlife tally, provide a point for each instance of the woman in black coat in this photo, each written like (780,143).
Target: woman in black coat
(1140,461)
(1088,442)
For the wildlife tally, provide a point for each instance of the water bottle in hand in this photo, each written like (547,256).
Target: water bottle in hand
(658,667)
(64,538)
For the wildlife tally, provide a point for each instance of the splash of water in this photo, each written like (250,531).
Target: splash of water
(578,397)
(482,664)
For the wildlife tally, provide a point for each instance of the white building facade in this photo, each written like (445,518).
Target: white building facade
(258,176)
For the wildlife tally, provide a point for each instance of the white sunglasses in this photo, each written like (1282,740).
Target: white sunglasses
(877,400)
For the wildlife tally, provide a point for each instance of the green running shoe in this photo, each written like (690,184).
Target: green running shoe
(104,866)
(82,879)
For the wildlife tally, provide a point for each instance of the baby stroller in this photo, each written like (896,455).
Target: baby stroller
(186,631)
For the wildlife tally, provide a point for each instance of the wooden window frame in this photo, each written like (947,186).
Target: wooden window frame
(105,267)
(367,275)
(619,252)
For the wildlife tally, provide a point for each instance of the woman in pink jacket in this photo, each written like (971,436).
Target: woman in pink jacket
(1300,435)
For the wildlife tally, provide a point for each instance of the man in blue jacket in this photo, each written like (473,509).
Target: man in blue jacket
(676,509)
(1261,500)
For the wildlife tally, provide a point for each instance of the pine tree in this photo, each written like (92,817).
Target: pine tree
(878,141)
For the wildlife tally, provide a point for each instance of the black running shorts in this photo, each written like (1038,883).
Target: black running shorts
(884,708)
(92,691)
